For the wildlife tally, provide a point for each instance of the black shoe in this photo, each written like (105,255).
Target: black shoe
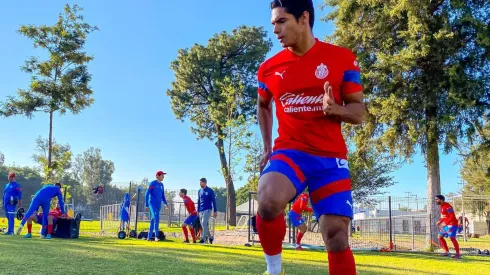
(211,240)
(186,241)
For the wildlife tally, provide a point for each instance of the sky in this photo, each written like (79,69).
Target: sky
(131,120)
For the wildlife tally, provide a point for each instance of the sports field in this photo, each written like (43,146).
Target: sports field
(112,256)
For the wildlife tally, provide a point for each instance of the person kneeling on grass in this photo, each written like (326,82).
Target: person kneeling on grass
(53,216)
(191,209)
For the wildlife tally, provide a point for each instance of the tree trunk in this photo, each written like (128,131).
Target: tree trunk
(50,143)
(230,188)
(433,175)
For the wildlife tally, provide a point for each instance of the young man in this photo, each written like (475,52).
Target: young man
(448,225)
(12,196)
(206,201)
(466,225)
(42,199)
(154,196)
(296,217)
(124,212)
(189,222)
(53,215)
(315,87)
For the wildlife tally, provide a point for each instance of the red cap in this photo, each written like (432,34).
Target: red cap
(12,175)
(159,173)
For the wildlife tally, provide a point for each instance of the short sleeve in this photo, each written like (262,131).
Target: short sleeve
(264,92)
(351,82)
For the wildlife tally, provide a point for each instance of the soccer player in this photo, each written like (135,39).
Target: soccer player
(154,196)
(42,199)
(189,222)
(53,215)
(315,87)
(124,216)
(12,196)
(448,225)
(206,202)
(296,217)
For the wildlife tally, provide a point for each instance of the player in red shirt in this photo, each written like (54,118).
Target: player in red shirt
(296,217)
(315,87)
(448,225)
(38,217)
(189,222)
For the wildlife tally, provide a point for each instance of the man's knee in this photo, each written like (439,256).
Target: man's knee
(275,191)
(335,230)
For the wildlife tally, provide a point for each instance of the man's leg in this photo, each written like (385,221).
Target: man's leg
(452,237)
(45,207)
(32,208)
(152,224)
(50,224)
(9,211)
(335,233)
(157,222)
(301,232)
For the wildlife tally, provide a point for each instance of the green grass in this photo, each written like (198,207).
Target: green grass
(112,256)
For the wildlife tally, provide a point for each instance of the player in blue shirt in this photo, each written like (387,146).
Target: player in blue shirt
(125,211)
(12,196)
(206,201)
(154,196)
(42,199)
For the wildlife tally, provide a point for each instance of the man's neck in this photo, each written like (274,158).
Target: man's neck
(304,45)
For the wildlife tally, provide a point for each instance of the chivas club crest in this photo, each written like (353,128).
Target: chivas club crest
(321,71)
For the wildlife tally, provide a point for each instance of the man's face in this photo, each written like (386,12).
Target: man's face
(202,184)
(287,29)
(160,178)
(12,179)
(438,201)
(181,194)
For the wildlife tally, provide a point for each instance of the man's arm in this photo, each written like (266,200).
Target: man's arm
(60,201)
(213,200)
(354,109)
(147,195)
(264,114)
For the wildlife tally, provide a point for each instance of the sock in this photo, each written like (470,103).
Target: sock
(271,235)
(193,234)
(50,229)
(456,245)
(29,228)
(341,263)
(443,244)
(299,236)
(186,235)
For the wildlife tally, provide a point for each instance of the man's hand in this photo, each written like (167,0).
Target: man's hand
(330,108)
(166,207)
(146,208)
(265,158)
(215,214)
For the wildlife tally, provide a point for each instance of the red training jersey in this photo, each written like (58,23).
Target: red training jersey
(301,204)
(447,215)
(295,83)
(190,206)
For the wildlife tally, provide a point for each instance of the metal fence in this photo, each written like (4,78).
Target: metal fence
(397,223)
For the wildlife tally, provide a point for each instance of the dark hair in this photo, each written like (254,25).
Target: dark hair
(58,184)
(204,180)
(183,191)
(441,197)
(296,8)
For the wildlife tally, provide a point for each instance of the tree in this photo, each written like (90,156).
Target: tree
(60,160)
(220,193)
(96,172)
(425,73)
(60,83)
(254,151)
(2,159)
(204,73)
(370,172)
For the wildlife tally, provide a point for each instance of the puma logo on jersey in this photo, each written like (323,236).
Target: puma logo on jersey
(280,74)
(342,163)
(350,204)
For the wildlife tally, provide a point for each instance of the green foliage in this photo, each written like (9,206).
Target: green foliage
(425,69)
(475,169)
(2,158)
(220,193)
(60,163)
(60,83)
(202,71)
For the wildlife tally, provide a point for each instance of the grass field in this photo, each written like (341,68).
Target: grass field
(112,256)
